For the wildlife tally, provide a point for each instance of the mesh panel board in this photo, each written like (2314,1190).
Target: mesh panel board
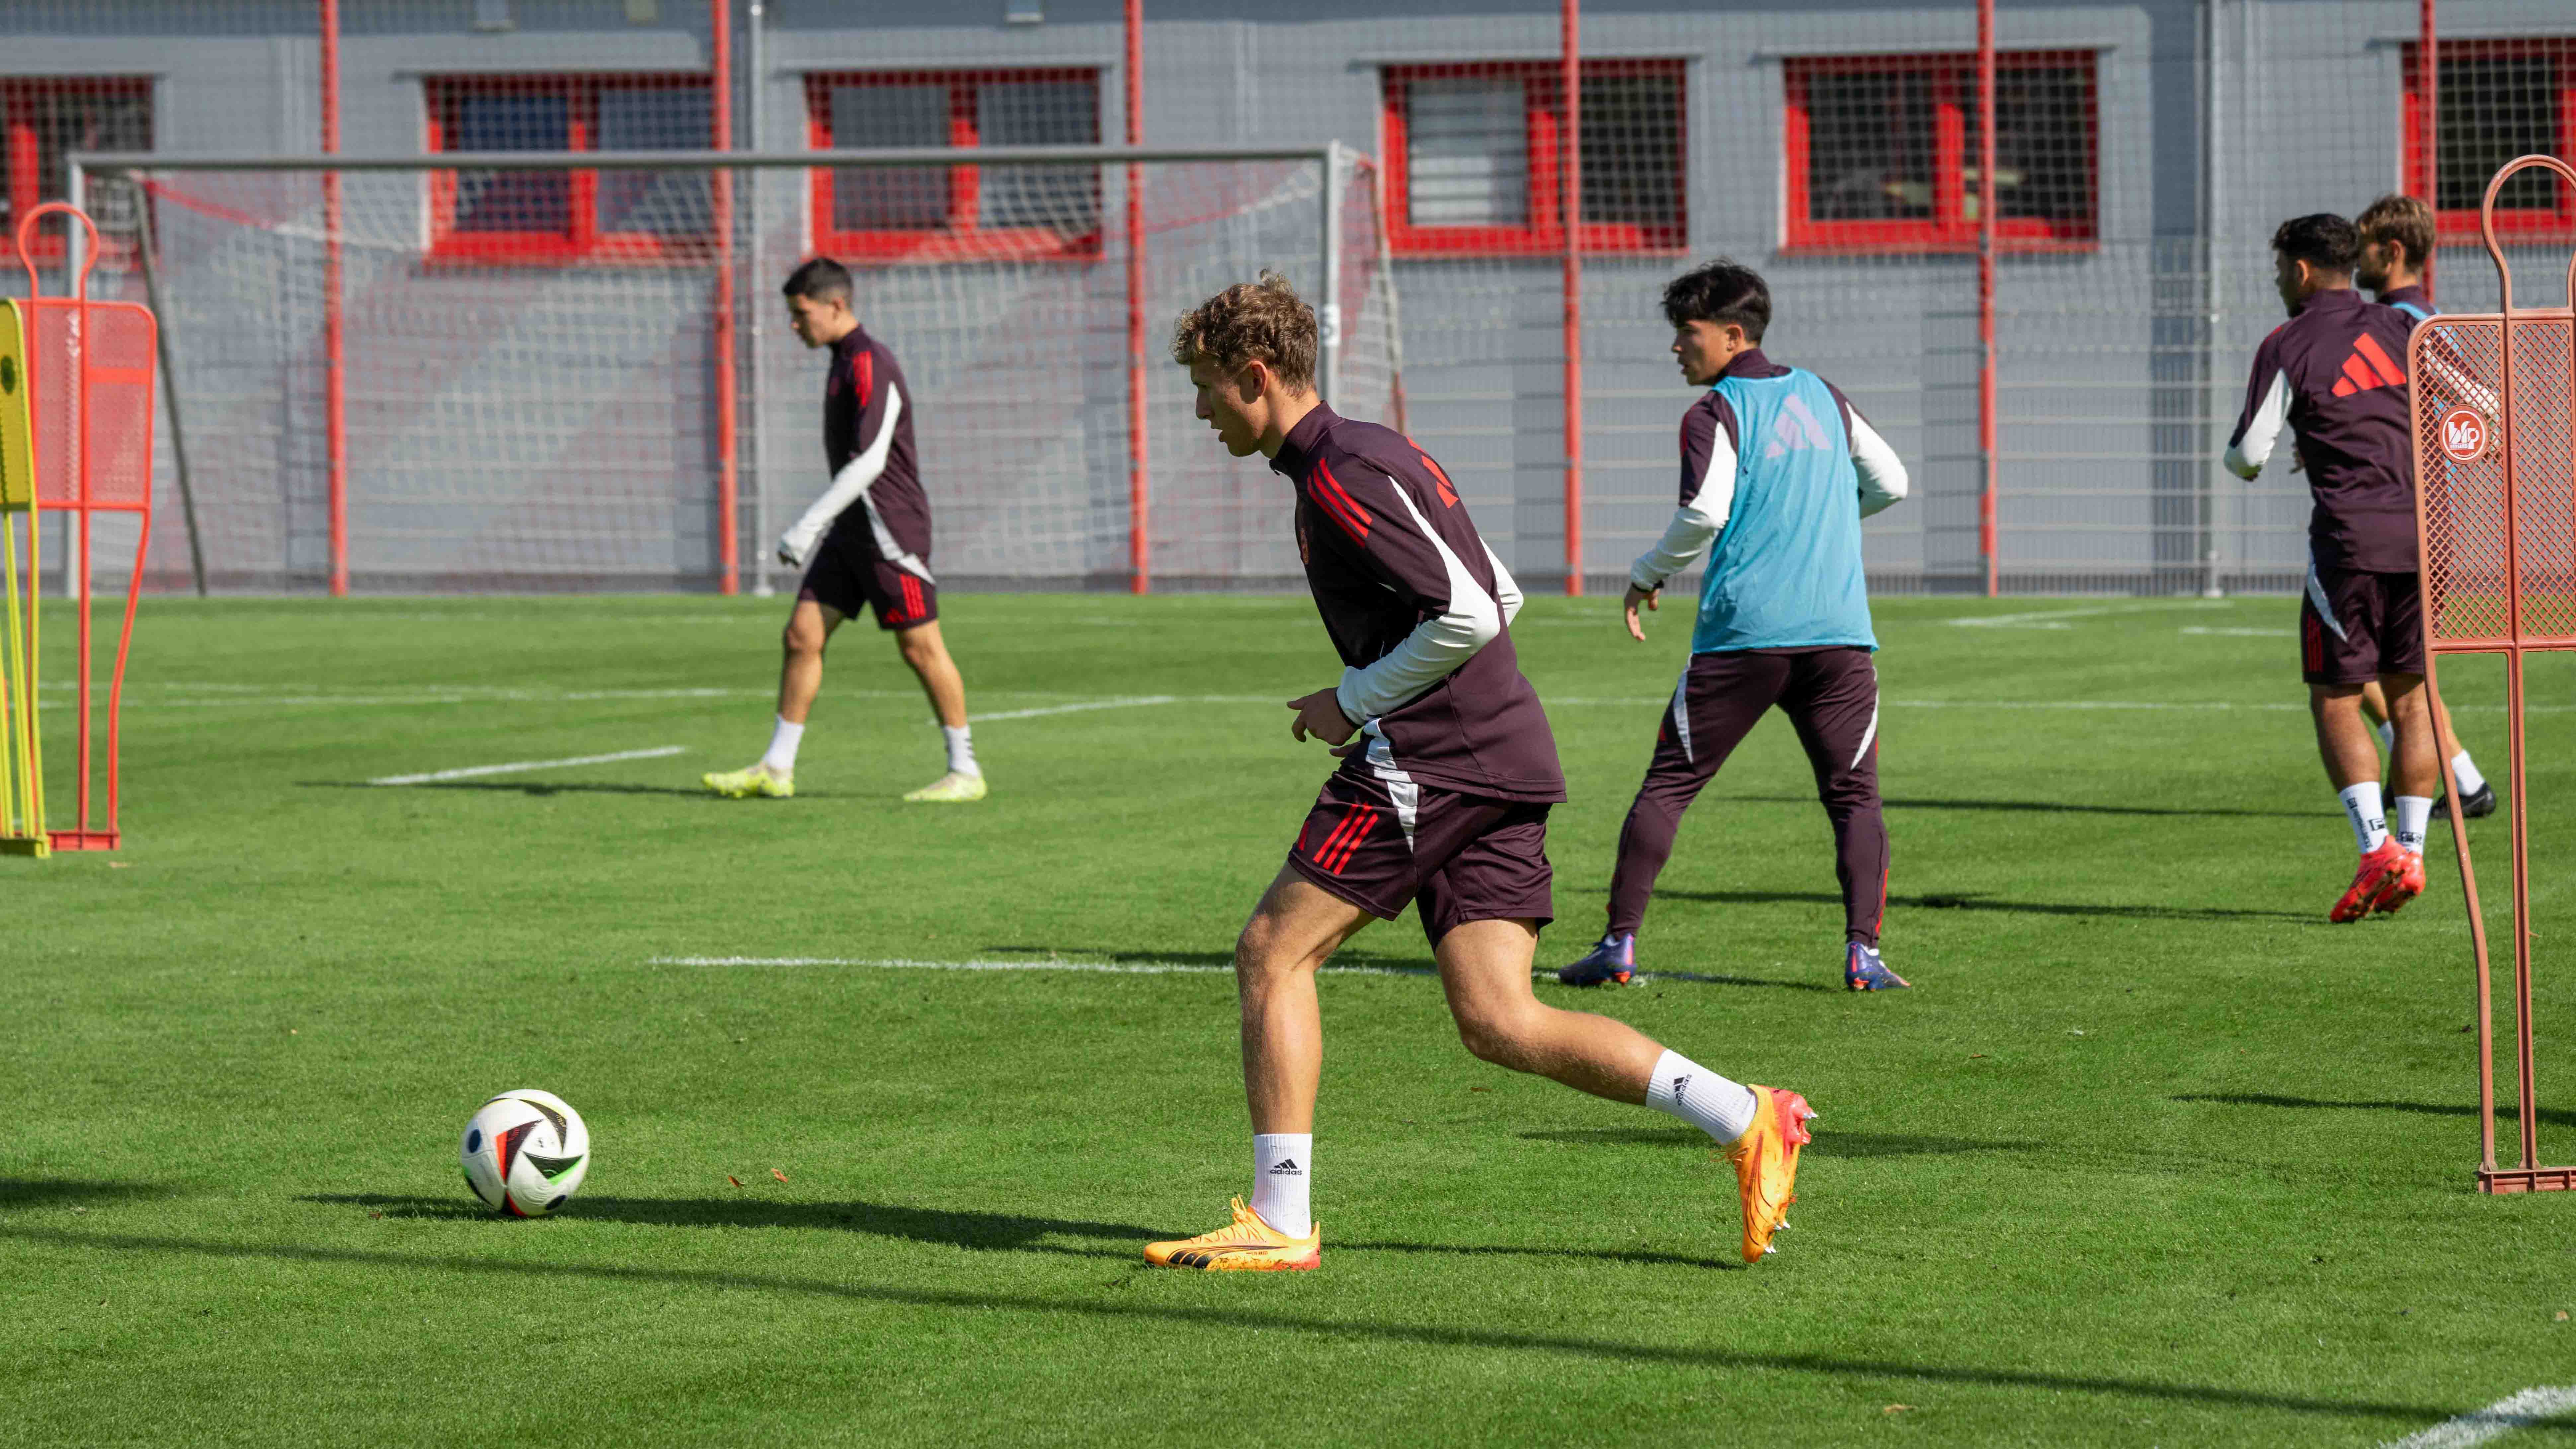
(2463,444)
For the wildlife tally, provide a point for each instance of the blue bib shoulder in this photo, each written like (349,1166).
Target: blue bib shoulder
(1786,571)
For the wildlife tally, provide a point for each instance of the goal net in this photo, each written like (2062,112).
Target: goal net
(557,377)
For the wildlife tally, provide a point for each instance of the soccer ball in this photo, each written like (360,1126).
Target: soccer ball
(526,1152)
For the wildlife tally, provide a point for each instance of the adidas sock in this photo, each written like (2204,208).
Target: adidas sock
(2471,782)
(961,750)
(2369,822)
(1707,1101)
(1281,1163)
(2414,812)
(2387,736)
(781,759)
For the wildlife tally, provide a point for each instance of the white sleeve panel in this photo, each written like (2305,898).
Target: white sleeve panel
(1696,523)
(1437,645)
(850,484)
(2253,447)
(1507,590)
(1882,474)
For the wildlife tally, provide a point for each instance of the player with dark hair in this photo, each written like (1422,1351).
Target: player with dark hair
(1441,800)
(2333,373)
(2397,238)
(1778,470)
(864,544)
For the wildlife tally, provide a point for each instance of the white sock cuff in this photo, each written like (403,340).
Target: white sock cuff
(783,740)
(2465,770)
(1685,1089)
(1283,1170)
(961,749)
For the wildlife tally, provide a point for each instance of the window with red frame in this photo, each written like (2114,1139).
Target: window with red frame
(2499,99)
(43,120)
(963,212)
(540,216)
(1883,152)
(1474,151)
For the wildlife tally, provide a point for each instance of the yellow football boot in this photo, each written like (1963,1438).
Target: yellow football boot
(1766,1165)
(1246,1245)
(743,784)
(950,789)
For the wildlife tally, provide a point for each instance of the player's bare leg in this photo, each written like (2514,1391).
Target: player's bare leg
(800,678)
(926,654)
(2351,757)
(2477,797)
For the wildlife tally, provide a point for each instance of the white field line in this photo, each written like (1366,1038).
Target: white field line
(2242,633)
(1128,703)
(2056,618)
(1100,968)
(2515,1411)
(516,767)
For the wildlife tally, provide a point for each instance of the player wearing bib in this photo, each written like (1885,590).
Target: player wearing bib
(864,544)
(2397,238)
(1441,800)
(1778,469)
(2332,373)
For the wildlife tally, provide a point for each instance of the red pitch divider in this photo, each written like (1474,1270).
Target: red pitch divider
(90,379)
(2494,399)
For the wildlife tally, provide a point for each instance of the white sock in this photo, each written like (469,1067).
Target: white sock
(781,759)
(2387,735)
(2369,822)
(1281,1165)
(2471,782)
(1707,1101)
(2413,813)
(961,750)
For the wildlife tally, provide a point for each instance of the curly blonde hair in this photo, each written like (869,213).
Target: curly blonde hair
(1263,321)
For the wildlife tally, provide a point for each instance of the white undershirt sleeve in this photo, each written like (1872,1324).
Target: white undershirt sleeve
(848,486)
(1507,590)
(1882,473)
(1436,647)
(1696,523)
(2262,432)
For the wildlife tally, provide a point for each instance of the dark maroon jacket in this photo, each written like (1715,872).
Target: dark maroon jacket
(860,391)
(2336,373)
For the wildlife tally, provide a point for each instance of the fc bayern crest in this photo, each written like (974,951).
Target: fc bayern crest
(2464,434)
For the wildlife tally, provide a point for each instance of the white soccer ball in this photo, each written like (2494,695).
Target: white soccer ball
(526,1152)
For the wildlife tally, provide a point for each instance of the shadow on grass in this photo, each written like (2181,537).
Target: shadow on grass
(1980,901)
(1363,961)
(1827,1144)
(2505,1111)
(1324,1327)
(18,1193)
(2049,807)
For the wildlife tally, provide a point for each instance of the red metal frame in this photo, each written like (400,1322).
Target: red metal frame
(720,197)
(1139,486)
(963,237)
(2422,115)
(2427,164)
(22,152)
(1955,81)
(1988,441)
(581,238)
(1567,164)
(2437,527)
(1550,107)
(83,374)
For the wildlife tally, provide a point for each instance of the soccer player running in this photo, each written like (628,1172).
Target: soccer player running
(1441,800)
(1778,470)
(2332,373)
(2396,245)
(864,544)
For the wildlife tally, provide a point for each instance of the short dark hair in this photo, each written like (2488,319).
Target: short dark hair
(1723,291)
(1263,321)
(821,279)
(2403,219)
(2324,241)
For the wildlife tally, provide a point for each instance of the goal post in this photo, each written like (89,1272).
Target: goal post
(532,355)
(2494,402)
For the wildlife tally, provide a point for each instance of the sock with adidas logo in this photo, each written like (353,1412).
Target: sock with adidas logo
(1282,1164)
(1707,1101)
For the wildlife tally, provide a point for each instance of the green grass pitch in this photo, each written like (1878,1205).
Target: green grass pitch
(2153,1155)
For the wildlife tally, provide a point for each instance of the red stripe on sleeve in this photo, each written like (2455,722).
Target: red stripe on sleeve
(1337,501)
(867,376)
(2389,372)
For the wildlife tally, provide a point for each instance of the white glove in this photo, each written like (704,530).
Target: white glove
(797,544)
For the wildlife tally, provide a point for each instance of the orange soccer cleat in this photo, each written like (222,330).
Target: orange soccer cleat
(2371,879)
(2402,884)
(1766,1164)
(1246,1245)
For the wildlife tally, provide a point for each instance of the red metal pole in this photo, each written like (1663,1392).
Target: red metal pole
(335,393)
(1139,495)
(2428,70)
(1986,430)
(728,482)
(1569,215)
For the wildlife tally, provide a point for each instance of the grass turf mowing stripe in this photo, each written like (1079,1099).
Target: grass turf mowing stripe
(2517,1411)
(522,766)
(1134,968)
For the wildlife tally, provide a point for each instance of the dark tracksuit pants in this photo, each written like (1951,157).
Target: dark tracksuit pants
(1831,698)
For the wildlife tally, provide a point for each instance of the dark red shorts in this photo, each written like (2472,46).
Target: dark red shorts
(2355,627)
(1382,845)
(848,576)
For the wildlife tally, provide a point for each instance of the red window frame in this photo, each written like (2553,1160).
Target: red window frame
(22,156)
(2556,223)
(1954,98)
(1543,112)
(965,237)
(581,239)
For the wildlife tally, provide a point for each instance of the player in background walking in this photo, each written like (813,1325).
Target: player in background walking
(2332,373)
(2397,238)
(1440,802)
(865,543)
(1778,470)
